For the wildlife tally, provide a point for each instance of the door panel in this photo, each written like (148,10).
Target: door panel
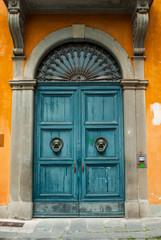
(101,179)
(57,108)
(100,107)
(79,180)
(102,117)
(46,134)
(112,138)
(54,178)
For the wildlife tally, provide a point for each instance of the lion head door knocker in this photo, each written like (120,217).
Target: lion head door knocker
(101,144)
(56,144)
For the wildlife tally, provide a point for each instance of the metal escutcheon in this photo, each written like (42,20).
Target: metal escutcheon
(56,144)
(101,144)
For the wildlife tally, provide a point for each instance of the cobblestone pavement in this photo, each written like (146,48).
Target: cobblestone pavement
(83,228)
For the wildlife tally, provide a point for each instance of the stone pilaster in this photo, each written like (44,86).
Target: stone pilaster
(136,182)
(20,205)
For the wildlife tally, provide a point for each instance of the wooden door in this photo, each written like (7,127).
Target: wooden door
(80,179)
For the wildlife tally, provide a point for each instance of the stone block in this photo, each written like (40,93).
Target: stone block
(3,212)
(132,209)
(144,209)
(78,30)
(78,226)
(20,210)
(95,226)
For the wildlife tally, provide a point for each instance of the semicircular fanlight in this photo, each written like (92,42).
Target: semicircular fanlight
(78,62)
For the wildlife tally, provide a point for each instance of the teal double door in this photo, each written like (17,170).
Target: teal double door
(78,150)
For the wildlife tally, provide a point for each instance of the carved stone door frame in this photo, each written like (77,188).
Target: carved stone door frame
(136,193)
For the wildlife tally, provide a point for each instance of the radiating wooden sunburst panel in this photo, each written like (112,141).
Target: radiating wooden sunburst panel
(78,62)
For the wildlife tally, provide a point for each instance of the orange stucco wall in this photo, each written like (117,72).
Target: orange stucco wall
(39,26)
(118,26)
(153,95)
(6,72)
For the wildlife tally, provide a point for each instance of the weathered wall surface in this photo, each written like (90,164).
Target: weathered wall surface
(153,102)
(119,27)
(6,72)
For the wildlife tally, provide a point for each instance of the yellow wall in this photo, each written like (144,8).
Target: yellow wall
(153,95)
(6,72)
(118,26)
(39,26)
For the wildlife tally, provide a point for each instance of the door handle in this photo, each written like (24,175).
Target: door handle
(82,167)
(75,168)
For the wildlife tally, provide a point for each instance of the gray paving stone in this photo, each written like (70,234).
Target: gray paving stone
(46,238)
(44,226)
(115,229)
(6,235)
(153,233)
(22,238)
(78,226)
(61,226)
(84,228)
(39,235)
(150,220)
(95,226)
(35,238)
(29,226)
(10,229)
(140,235)
(150,226)
(85,236)
(134,226)
(113,223)
(7,238)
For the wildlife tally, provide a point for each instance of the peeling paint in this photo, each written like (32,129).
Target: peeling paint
(156,196)
(156,109)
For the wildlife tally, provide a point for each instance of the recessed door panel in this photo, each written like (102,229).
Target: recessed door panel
(100,107)
(56,108)
(47,134)
(110,134)
(56,180)
(101,179)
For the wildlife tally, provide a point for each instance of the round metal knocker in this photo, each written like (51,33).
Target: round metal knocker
(56,144)
(101,144)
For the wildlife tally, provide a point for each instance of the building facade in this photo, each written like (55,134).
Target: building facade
(80,109)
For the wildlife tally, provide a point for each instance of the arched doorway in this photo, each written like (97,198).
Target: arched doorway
(21,185)
(79,151)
